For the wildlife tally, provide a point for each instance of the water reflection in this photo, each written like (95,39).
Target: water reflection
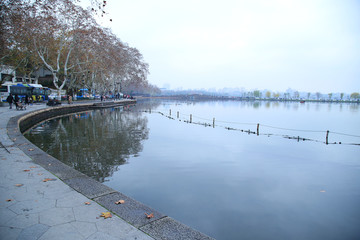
(97,146)
(227,184)
(294,105)
(257,104)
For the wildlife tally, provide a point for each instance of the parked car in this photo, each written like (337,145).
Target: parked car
(53,96)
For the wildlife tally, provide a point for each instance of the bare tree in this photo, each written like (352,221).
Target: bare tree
(65,39)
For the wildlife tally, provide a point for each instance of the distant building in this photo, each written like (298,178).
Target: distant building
(9,74)
(6,73)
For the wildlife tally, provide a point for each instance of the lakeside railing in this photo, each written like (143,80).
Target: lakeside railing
(254,128)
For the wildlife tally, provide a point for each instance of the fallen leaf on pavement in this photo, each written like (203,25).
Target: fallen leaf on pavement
(9,200)
(31,149)
(26,170)
(19,185)
(120,202)
(49,179)
(151,215)
(106,215)
(87,203)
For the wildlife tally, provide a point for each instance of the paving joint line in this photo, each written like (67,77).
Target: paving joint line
(2,146)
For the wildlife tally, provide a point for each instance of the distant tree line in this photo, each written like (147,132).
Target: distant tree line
(65,39)
(266,94)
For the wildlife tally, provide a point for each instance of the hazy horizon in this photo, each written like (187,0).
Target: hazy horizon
(310,45)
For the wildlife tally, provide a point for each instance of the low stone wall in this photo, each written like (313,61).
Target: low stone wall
(31,119)
(158,227)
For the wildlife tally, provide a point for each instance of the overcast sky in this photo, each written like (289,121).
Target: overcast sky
(306,45)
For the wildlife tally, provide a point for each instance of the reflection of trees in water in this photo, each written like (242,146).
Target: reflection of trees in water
(149,104)
(354,106)
(94,143)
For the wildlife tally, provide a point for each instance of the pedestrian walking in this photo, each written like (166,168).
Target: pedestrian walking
(17,99)
(10,100)
(69,99)
(27,100)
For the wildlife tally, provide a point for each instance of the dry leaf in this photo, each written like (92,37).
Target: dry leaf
(87,203)
(31,149)
(32,166)
(151,215)
(106,215)
(9,200)
(26,170)
(49,179)
(120,202)
(19,185)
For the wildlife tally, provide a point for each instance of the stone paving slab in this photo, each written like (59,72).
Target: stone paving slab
(131,210)
(42,198)
(89,187)
(172,229)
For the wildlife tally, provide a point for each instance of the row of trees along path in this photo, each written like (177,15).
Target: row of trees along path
(65,38)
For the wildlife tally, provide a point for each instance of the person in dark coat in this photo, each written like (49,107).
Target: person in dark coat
(17,99)
(27,100)
(10,100)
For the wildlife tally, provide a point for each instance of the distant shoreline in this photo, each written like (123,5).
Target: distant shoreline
(199,97)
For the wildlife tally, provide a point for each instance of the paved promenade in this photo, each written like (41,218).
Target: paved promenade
(35,204)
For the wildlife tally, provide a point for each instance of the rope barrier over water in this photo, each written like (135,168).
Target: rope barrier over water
(291,129)
(345,134)
(211,123)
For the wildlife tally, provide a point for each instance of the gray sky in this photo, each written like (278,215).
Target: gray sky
(306,45)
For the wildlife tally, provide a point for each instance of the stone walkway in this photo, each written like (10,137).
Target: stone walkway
(35,204)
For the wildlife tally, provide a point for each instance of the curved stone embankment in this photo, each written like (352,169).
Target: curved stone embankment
(133,212)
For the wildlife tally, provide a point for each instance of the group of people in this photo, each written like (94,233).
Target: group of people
(15,99)
(117,96)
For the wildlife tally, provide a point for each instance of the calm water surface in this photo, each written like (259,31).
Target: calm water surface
(285,183)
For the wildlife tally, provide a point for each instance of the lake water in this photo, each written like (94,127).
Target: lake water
(224,180)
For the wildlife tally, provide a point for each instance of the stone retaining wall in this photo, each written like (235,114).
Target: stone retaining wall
(158,227)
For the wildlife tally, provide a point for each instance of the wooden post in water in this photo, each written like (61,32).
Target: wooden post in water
(327,137)
(177,114)
(213,122)
(190,118)
(257,129)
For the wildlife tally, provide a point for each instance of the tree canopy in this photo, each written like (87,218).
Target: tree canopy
(64,38)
